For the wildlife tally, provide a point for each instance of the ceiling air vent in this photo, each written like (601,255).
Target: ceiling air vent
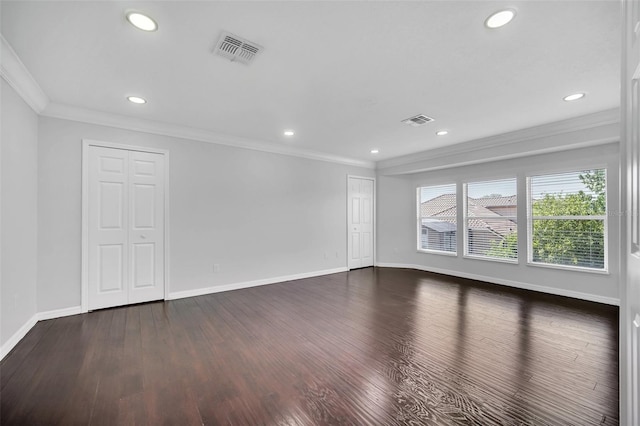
(418,120)
(236,49)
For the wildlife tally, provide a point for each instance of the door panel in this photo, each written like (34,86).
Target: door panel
(111,205)
(108,239)
(630,147)
(360,224)
(355,210)
(110,271)
(144,206)
(367,211)
(635,156)
(366,191)
(144,168)
(146,234)
(126,227)
(110,164)
(367,245)
(355,250)
(144,265)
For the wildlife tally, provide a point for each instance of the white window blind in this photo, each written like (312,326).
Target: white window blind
(491,229)
(568,219)
(437,218)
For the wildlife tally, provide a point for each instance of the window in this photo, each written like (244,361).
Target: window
(491,229)
(437,223)
(568,219)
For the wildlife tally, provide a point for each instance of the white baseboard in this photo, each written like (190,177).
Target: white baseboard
(17,336)
(59,313)
(510,283)
(40,316)
(74,310)
(247,284)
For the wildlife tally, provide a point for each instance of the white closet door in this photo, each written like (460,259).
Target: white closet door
(630,147)
(146,227)
(126,227)
(360,223)
(108,227)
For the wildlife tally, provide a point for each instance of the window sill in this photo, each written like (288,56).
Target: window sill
(492,259)
(442,253)
(569,268)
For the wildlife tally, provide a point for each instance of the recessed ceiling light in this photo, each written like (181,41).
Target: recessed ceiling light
(137,99)
(141,21)
(289,133)
(442,132)
(374,151)
(573,97)
(500,18)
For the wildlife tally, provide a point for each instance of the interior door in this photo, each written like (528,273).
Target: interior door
(108,227)
(146,226)
(630,145)
(125,227)
(360,222)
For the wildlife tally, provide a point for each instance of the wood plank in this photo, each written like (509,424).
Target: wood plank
(370,346)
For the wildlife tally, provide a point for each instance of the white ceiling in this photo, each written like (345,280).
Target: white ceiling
(342,74)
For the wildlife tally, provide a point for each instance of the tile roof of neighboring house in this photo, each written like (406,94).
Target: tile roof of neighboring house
(444,206)
(436,206)
(509,200)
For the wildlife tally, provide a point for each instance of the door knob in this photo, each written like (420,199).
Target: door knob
(143,237)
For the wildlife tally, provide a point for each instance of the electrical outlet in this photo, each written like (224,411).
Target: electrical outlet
(216,267)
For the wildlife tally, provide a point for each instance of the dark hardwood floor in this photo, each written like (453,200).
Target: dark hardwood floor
(368,347)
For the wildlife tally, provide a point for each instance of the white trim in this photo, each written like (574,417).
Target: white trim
(14,72)
(84,255)
(576,217)
(67,112)
(247,284)
(167,221)
(86,143)
(603,271)
(466,218)
(438,252)
(27,326)
(509,283)
(75,310)
(59,313)
(502,217)
(492,259)
(374,207)
(17,336)
(17,76)
(519,137)
(604,218)
(419,219)
(115,145)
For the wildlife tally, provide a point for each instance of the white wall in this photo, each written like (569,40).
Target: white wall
(258,215)
(19,222)
(397,223)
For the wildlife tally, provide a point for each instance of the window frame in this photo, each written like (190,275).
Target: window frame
(466,217)
(604,218)
(419,221)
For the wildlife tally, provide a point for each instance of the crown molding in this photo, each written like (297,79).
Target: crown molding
(527,140)
(521,142)
(84,115)
(17,76)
